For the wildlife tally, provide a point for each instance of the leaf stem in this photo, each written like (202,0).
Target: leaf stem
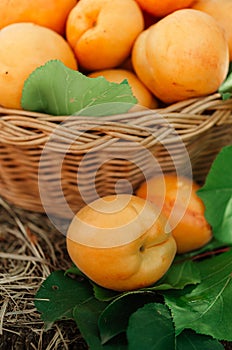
(205,255)
(213,252)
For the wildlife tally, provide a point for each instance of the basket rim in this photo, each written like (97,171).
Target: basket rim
(190,118)
(194,105)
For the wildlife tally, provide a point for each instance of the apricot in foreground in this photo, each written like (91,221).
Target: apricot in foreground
(121,242)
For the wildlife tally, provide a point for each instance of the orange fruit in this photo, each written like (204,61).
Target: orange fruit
(103,32)
(183,55)
(120,242)
(47,13)
(24,47)
(221,10)
(178,201)
(161,8)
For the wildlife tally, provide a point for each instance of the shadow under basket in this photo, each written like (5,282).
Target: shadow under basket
(56,164)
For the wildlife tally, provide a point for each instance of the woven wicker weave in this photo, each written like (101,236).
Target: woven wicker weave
(113,148)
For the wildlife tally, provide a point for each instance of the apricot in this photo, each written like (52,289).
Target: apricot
(48,13)
(24,47)
(143,95)
(120,242)
(183,55)
(103,32)
(221,10)
(161,8)
(177,198)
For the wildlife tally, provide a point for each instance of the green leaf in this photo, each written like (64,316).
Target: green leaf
(73,270)
(58,90)
(104,294)
(151,328)
(86,316)
(206,309)
(104,109)
(217,196)
(58,295)
(114,319)
(178,276)
(226,87)
(189,340)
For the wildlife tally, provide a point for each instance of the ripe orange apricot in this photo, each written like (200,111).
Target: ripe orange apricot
(183,55)
(178,200)
(48,13)
(221,10)
(143,95)
(103,32)
(24,47)
(161,8)
(120,242)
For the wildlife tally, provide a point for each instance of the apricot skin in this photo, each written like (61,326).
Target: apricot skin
(135,263)
(161,8)
(221,10)
(103,32)
(48,13)
(24,47)
(183,55)
(192,230)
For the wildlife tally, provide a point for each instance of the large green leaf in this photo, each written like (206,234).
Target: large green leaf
(104,294)
(217,196)
(58,295)
(58,90)
(151,328)
(114,319)
(73,270)
(206,309)
(86,316)
(189,340)
(178,276)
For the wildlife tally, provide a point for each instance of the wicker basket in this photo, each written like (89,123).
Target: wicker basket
(113,148)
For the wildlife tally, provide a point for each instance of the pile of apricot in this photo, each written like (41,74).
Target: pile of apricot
(168,50)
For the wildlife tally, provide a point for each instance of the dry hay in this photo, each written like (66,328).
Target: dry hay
(30,248)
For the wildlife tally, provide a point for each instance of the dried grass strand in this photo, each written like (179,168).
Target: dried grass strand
(22,270)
